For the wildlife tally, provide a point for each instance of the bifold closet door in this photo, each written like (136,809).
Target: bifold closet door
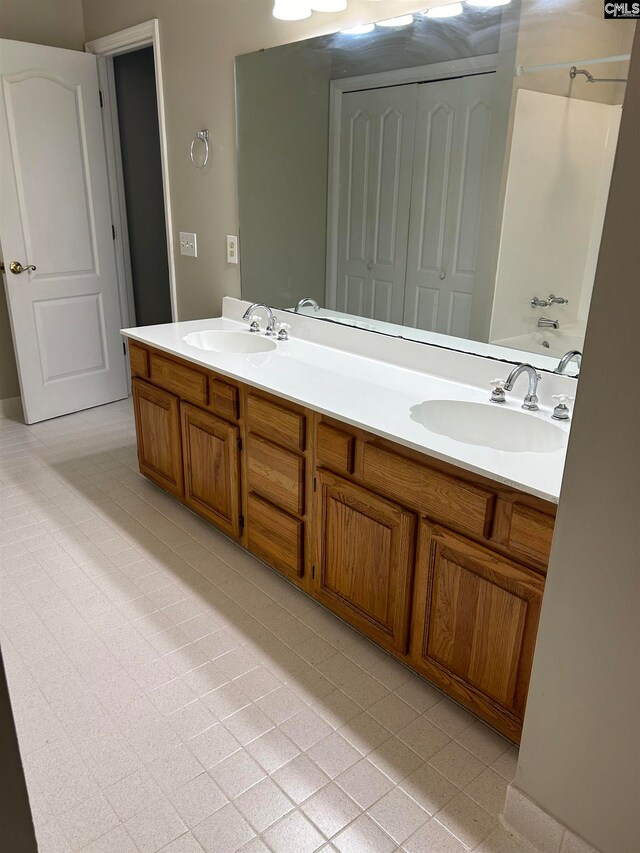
(452,132)
(376,154)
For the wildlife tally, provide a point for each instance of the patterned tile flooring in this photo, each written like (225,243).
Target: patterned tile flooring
(172,693)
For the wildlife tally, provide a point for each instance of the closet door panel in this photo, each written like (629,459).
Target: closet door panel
(377,132)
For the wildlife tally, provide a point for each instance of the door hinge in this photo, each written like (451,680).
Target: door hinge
(239,443)
(315,484)
(313,572)
(100,96)
(241,522)
(124,347)
(113,231)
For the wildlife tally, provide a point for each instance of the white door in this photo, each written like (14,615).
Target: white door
(452,131)
(376,152)
(55,214)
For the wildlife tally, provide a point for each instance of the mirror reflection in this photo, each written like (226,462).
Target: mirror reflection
(444,179)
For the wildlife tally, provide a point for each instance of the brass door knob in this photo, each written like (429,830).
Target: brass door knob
(17,268)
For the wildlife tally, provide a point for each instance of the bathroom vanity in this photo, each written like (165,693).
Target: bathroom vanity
(438,563)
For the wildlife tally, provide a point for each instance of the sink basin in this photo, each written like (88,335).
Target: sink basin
(489,425)
(214,340)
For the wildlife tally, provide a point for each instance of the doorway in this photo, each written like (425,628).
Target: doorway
(137,109)
(131,83)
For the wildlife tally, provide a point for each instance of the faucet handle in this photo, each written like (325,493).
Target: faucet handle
(561,411)
(498,395)
(255,323)
(283,331)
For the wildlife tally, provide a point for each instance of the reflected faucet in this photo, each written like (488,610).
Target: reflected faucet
(531,398)
(271,318)
(566,358)
(306,300)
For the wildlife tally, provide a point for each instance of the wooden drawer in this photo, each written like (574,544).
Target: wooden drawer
(186,382)
(530,533)
(276,474)
(224,399)
(335,449)
(275,537)
(138,360)
(275,422)
(443,498)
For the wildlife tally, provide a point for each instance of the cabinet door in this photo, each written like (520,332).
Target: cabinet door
(211,468)
(474,624)
(366,549)
(157,414)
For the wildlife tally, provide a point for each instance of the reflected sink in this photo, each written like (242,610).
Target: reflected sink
(214,340)
(489,425)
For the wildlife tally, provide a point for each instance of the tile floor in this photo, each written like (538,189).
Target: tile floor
(172,693)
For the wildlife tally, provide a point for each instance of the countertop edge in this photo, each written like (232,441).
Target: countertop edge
(368,427)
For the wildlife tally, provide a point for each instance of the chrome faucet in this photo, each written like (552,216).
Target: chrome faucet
(546,323)
(531,398)
(306,300)
(566,358)
(271,318)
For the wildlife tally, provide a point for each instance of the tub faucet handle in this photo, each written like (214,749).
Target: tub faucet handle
(498,395)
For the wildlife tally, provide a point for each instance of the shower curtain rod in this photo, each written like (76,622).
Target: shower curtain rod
(533,69)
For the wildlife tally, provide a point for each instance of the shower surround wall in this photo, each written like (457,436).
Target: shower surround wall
(561,159)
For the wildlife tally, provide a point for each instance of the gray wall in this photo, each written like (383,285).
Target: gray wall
(57,23)
(580,755)
(142,170)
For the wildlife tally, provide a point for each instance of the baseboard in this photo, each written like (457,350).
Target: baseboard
(11,407)
(537,828)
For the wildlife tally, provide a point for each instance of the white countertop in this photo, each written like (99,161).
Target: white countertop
(368,393)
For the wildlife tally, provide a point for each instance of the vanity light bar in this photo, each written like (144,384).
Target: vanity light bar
(297,10)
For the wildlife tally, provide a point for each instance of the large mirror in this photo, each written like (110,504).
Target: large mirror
(442,177)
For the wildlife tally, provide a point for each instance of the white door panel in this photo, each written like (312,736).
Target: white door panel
(452,131)
(55,213)
(376,152)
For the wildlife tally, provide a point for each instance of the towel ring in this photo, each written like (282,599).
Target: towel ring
(204,136)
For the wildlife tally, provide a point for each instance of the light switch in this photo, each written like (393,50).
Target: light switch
(188,244)
(232,249)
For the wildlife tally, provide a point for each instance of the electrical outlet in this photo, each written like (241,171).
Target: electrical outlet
(188,244)
(232,249)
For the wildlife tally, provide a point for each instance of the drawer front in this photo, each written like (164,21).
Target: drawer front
(530,533)
(224,399)
(138,360)
(335,449)
(440,497)
(187,383)
(275,422)
(276,474)
(275,537)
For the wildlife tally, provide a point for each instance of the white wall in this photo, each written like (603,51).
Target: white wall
(580,754)
(560,160)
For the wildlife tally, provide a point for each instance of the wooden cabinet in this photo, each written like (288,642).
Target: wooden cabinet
(474,624)
(157,414)
(363,525)
(366,548)
(275,470)
(211,452)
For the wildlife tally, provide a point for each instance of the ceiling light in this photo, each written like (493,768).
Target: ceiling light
(291,10)
(328,5)
(358,30)
(487,3)
(448,11)
(400,21)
